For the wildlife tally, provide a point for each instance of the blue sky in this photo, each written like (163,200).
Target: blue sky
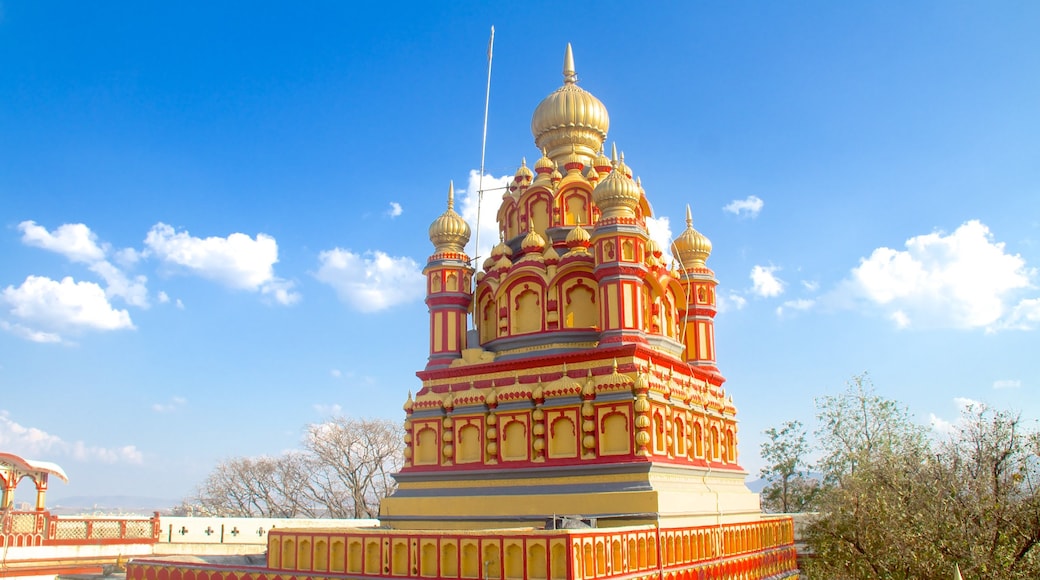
(212,217)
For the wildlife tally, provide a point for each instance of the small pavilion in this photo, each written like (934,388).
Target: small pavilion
(14,468)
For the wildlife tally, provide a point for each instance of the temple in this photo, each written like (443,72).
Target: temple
(588,385)
(572,420)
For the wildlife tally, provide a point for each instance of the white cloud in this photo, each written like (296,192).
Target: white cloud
(800,304)
(170,406)
(74,241)
(371,281)
(30,333)
(79,244)
(163,297)
(730,301)
(764,281)
(748,207)
(810,285)
(466,205)
(1024,316)
(941,425)
(395,209)
(133,291)
(660,230)
(237,261)
(49,307)
(336,373)
(33,443)
(960,280)
(1007,384)
(945,427)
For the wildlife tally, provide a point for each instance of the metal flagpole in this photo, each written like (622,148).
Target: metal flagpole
(483,148)
(480,180)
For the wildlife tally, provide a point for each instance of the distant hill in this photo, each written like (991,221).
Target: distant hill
(756,485)
(109,504)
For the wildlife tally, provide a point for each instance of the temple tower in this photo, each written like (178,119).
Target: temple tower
(692,249)
(448,282)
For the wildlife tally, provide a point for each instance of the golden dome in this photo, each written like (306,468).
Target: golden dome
(550,255)
(623,167)
(617,195)
(449,232)
(524,171)
(570,116)
(578,236)
(691,248)
(533,241)
(502,249)
(602,162)
(544,164)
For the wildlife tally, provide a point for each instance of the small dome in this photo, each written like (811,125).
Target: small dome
(623,167)
(691,248)
(533,241)
(550,255)
(591,175)
(544,164)
(524,172)
(503,264)
(449,232)
(602,162)
(502,249)
(617,195)
(570,116)
(578,236)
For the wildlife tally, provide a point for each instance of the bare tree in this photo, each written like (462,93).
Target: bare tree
(344,471)
(354,460)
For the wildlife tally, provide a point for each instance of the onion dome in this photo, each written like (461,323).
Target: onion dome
(592,176)
(524,172)
(578,236)
(502,249)
(570,116)
(623,167)
(551,256)
(572,161)
(556,176)
(691,248)
(544,164)
(488,263)
(449,232)
(533,241)
(503,264)
(653,252)
(602,162)
(617,195)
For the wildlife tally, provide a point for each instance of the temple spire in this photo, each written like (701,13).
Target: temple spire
(689,217)
(570,76)
(451,195)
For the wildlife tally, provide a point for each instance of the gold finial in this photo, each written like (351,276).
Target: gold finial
(451,194)
(613,154)
(689,217)
(569,75)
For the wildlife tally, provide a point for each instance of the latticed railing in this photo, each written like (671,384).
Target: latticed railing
(42,528)
(21,528)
